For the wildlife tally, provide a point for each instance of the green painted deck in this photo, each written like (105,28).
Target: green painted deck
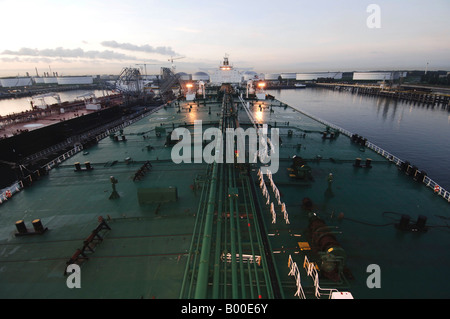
(148,253)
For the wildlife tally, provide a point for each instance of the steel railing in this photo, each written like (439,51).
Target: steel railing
(294,271)
(311,271)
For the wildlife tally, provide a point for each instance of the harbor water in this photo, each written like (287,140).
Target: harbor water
(415,133)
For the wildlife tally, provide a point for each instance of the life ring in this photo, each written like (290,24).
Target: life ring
(8,194)
(437,188)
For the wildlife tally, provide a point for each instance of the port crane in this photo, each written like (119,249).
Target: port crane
(171,60)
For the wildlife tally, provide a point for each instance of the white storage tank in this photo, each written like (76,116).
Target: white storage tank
(200,76)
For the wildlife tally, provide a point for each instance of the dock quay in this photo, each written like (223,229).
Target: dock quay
(8,93)
(414,94)
(13,124)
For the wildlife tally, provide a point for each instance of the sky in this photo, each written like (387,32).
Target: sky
(90,37)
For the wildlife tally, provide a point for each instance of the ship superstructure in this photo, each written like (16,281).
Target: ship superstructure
(226,73)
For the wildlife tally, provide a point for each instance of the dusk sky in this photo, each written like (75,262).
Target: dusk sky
(101,37)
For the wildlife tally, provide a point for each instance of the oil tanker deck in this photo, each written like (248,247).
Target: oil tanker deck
(335,220)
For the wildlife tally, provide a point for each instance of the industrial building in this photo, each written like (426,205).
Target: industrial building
(17,81)
(378,76)
(271,76)
(318,75)
(70,80)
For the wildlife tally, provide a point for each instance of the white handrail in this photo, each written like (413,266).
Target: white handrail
(312,272)
(277,195)
(293,271)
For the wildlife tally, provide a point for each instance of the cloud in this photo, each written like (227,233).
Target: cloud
(31,60)
(69,53)
(140,48)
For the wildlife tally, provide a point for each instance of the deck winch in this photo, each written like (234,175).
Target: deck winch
(332,255)
(299,169)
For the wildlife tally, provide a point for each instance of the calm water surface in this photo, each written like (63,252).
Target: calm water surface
(412,132)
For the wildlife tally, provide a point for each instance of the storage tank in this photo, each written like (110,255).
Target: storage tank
(200,76)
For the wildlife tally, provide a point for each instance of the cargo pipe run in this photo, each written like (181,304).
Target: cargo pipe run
(234,224)
(201,288)
(218,264)
(203,270)
(195,243)
(216,278)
